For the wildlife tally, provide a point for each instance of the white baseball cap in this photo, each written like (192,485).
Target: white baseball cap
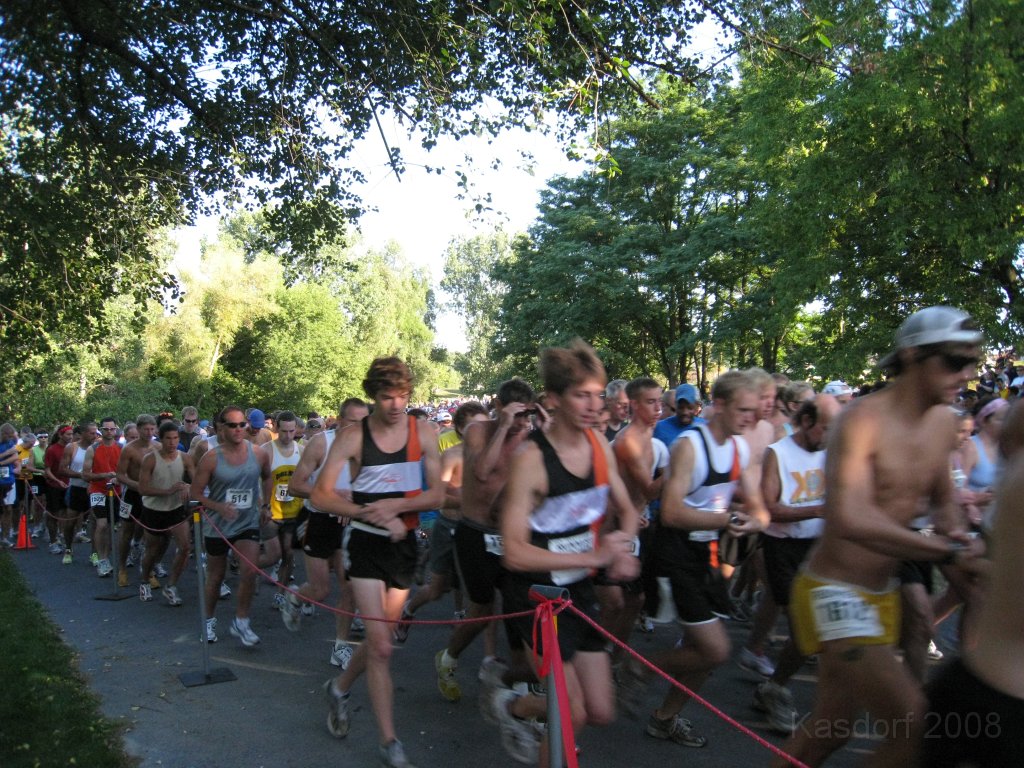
(933,325)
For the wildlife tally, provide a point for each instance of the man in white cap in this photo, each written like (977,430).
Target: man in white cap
(887,452)
(840,390)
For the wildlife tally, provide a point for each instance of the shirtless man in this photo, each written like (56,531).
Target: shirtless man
(487,454)
(559,487)
(321,536)
(130,509)
(887,452)
(384,456)
(635,457)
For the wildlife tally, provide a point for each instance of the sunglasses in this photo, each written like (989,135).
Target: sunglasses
(191,421)
(955,363)
(236,424)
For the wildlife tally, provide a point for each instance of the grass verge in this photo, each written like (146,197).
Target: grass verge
(48,716)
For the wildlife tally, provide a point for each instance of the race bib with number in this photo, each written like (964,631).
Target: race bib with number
(35,490)
(240,497)
(5,472)
(281,492)
(582,542)
(493,544)
(96,499)
(125,510)
(703,536)
(841,612)
(634,546)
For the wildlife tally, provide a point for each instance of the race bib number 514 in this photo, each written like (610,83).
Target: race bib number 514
(241,498)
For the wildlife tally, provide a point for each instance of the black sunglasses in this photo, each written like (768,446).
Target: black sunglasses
(955,363)
(235,424)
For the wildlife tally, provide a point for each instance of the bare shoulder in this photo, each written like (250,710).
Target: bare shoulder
(478,433)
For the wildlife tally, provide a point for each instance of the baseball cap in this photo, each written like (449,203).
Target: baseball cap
(838,387)
(257,419)
(687,392)
(933,325)
(443,416)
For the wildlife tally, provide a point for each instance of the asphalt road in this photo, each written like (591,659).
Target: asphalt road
(132,654)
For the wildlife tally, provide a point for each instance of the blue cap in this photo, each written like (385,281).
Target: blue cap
(256,419)
(687,392)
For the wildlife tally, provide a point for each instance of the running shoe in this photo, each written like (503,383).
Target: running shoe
(225,590)
(308,609)
(933,651)
(94,559)
(520,738)
(392,755)
(241,629)
(160,570)
(171,595)
(291,613)
(67,559)
(777,702)
(104,568)
(130,561)
(122,578)
(278,601)
(677,729)
(358,627)
(145,593)
(82,537)
(646,623)
(342,654)
(56,548)
(446,682)
(492,679)
(337,715)
(759,664)
(211,631)
(404,625)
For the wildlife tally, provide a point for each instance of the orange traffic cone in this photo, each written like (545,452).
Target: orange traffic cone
(24,540)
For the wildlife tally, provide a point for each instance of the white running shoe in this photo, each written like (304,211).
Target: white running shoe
(145,593)
(752,662)
(342,654)
(211,630)
(241,629)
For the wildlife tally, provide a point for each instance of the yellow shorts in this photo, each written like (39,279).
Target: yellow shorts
(822,610)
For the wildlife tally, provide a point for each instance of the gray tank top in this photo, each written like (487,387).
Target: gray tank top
(240,486)
(165,474)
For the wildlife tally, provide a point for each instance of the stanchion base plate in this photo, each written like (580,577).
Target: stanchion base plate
(115,596)
(218,675)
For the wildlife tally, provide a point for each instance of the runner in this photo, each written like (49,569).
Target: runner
(284,454)
(617,402)
(56,486)
(558,489)
(384,455)
(71,464)
(887,452)
(321,536)
(100,468)
(130,508)
(233,472)
(8,470)
(707,466)
(162,483)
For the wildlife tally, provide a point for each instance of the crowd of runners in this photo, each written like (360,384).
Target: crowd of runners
(623,494)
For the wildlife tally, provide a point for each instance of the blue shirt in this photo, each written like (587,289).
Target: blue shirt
(667,430)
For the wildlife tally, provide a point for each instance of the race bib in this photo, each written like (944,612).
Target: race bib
(5,472)
(634,546)
(240,497)
(281,492)
(582,542)
(841,612)
(125,510)
(703,536)
(96,499)
(35,490)
(493,544)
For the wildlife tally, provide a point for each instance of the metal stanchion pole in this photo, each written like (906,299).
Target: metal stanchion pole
(554,716)
(117,594)
(205,676)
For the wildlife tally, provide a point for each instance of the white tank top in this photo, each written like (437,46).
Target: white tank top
(802,476)
(344,481)
(77,463)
